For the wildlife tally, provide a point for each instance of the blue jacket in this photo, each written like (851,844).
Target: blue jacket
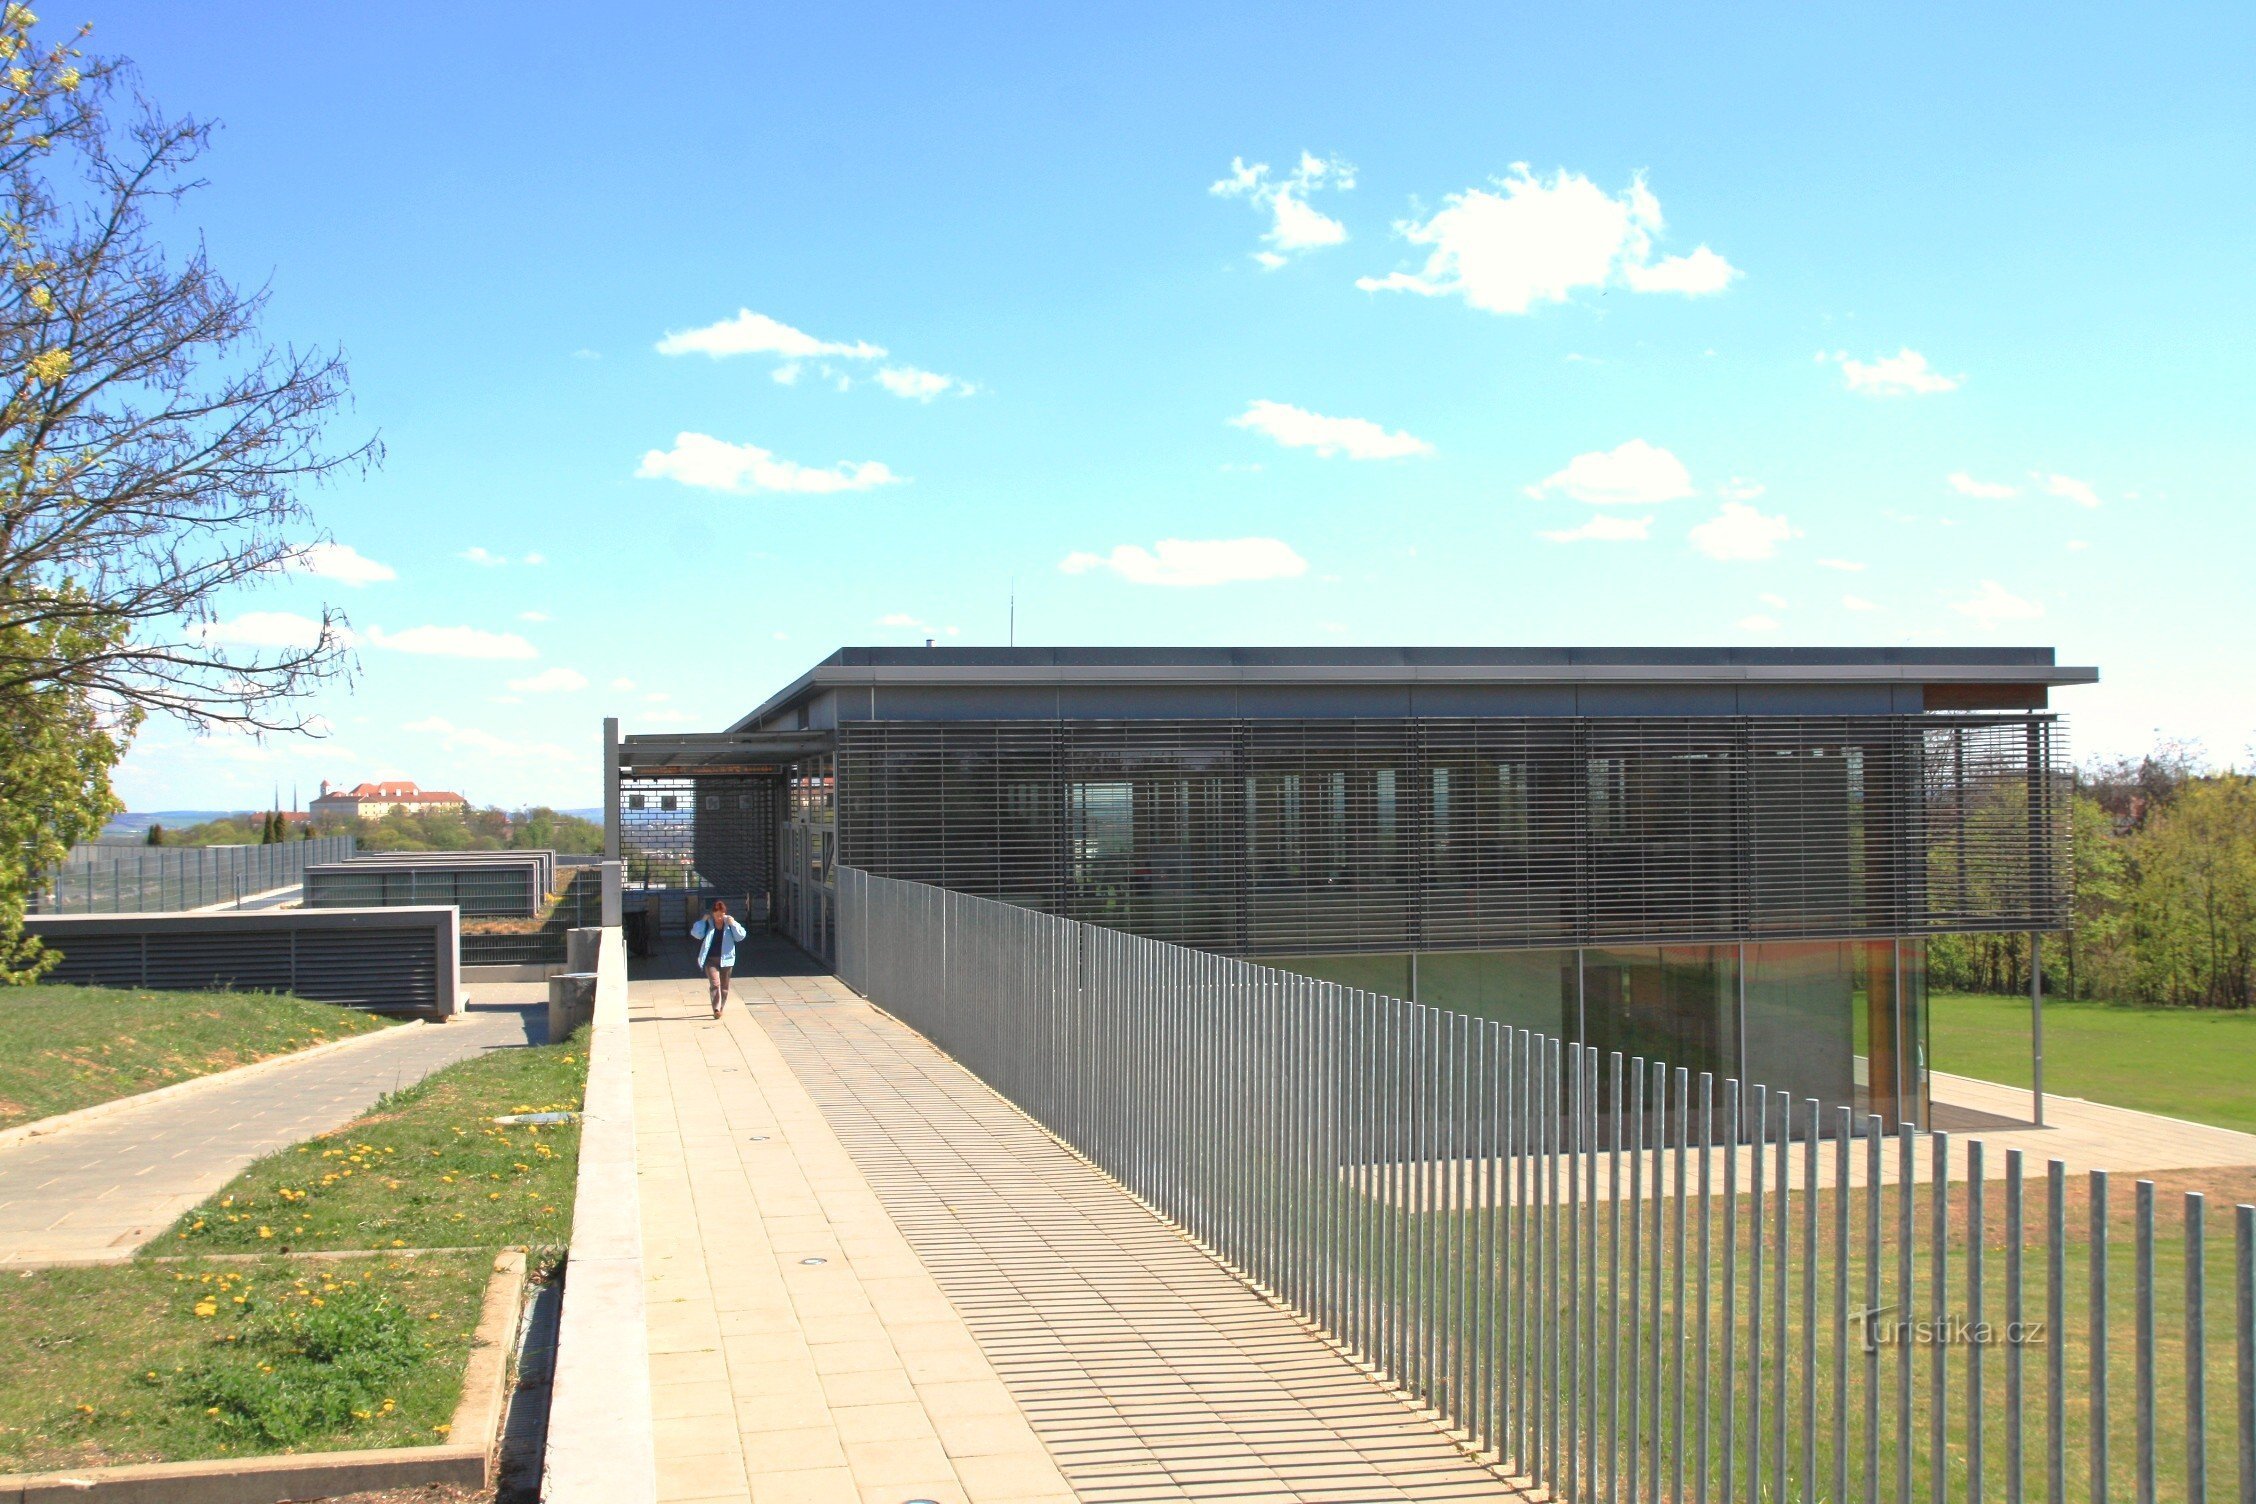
(703,932)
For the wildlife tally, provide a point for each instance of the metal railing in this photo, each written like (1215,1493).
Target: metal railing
(164,879)
(1577,1263)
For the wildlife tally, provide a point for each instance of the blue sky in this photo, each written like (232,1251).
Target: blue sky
(1702,370)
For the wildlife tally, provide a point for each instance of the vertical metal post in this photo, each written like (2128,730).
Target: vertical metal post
(2036,1026)
(2056,1332)
(2142,1203)
(2013,1327)
(2095,1386)
(1976,1194)
(2244,1346)
(2196,1353)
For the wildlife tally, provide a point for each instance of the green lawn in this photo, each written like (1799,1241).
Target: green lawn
(426,1168)
(63,1048)
(158,1362)
(2182,1062)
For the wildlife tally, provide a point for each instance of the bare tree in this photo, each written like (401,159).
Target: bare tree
(154,448)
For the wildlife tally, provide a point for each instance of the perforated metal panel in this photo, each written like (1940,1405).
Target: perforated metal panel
(1327,837)
(716,833)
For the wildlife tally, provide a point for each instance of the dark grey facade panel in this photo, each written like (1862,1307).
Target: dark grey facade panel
(1307,837)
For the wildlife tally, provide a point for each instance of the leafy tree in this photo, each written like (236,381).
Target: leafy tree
(155,837)
(57,753)
(152,451)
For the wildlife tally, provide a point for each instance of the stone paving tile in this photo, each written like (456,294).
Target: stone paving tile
(98,1191)
(1149,1369)
(794,1335)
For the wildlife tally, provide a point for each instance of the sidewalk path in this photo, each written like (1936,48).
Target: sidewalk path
(1149,1370)
(94,1193)
(799,1351)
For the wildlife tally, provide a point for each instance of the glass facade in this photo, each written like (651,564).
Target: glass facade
(1841,1022)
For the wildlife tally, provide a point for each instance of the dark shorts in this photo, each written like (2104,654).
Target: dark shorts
(713,966)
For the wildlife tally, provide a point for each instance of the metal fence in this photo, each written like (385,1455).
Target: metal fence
(1578,1263)
(163,879)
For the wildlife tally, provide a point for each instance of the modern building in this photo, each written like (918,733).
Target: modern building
(1726,859)
(373,801)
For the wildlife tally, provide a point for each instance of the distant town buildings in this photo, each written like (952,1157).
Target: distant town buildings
(373,801)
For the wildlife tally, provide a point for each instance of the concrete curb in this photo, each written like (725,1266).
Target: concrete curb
(66,1120)
(322,1475)
(529,972)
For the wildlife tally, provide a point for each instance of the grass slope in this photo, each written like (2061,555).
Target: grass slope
(2181,1062)
(63,1048)
(427,1168)
(151,1362)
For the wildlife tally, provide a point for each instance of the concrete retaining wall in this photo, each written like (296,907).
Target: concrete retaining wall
(600,1446)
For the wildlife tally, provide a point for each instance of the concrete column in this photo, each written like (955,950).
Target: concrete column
(611,788)
(614,893)
(571,1003)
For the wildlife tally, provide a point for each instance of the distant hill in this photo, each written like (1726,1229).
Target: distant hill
(137,822)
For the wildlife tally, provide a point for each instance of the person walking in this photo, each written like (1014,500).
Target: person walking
(716,935)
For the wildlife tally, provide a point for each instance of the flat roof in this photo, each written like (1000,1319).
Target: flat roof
(969,667)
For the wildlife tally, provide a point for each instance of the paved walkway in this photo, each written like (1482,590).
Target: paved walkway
(94,1193)
(799,1351)
(985,1266)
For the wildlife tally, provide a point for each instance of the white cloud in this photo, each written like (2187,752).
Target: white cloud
(482,558)
(1858,603)
(1846,566)
(2078,544)
(922,386)
(536,559)
(1739,488)
(1535,241)
(550,681)
(1632,474)
(1357,438)
(1695,275)
(1987,490)
(1758,623)
(1294,226)
(2068,488)
(1993,604)
(1741,532)
(1775,602)
(459,737)
(752,333)
(1903,374)
(711,464)
(900,619)
(342,563)
(260,629)
(786,374)
(1604,528)
(1187,562)
(453,642)
(534,616)
(622,683)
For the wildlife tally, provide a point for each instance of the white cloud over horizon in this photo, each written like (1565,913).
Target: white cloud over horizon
(453,642)
(1993,604)
(261,629)
(1986,490)
(558,680)
(342,563)
(2068,488)
(457,738)
(752,333)
(1526,240)
(920,385)
(711,464)
(1903,374)
(1634,473)
(1357,438)
(1605,527)
(1740,532)
(1182,562)
(1294,226)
